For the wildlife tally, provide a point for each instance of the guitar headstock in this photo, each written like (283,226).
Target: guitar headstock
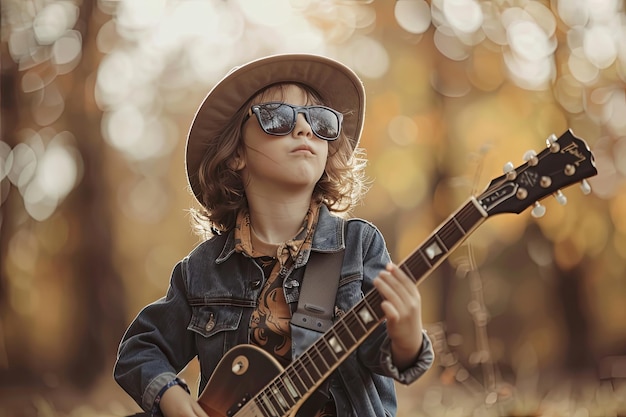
(565,161)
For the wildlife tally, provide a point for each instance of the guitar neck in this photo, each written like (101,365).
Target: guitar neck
(307,372)
(444,240)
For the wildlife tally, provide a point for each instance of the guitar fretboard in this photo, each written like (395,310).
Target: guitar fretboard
(308,371)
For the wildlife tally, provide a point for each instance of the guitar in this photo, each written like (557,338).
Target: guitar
(248,382)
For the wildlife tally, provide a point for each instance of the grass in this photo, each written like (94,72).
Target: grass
(567,398)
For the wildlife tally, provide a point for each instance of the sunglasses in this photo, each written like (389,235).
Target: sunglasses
(279,119)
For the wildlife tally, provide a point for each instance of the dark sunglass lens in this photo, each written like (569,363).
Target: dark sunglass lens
(324,122)
(276,119)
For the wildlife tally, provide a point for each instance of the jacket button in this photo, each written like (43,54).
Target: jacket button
(256,284)
(210,324)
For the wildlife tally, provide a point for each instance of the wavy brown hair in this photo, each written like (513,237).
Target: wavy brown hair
(341,187)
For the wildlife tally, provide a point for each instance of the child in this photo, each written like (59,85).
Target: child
(273,159)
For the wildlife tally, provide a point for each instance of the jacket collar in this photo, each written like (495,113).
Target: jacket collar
(329,234)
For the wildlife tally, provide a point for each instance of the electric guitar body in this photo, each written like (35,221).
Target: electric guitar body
(242,373)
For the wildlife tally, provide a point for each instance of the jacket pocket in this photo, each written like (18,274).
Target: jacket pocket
(208,321)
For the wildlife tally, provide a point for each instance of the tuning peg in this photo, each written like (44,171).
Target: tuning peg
(531,158)
(585,187)
(552,143)
(538,210)
(509,171)
(560,197)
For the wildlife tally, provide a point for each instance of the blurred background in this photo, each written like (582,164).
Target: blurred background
(528,315)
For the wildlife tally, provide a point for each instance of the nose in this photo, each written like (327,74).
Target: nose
(302,127)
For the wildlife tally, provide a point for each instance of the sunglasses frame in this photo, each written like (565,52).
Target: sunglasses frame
(256,108)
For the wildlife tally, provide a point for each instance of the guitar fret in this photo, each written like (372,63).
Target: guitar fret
(299,385)
(318,362)
(258,401)
(326,364)
(407,271)
(291,388)
(424,258)
(281,400)
(438,238)
(285,400)
(326,351)
(373,301)
(347,339)
(303,372)
(472,215)
(438,245)
(284,393)
(267,405)
(312,366)
(355,324)
(452,232)
(456,222)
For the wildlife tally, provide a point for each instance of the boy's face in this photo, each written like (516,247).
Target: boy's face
(292,163)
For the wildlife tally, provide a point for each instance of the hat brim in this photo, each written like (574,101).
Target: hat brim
(338,85)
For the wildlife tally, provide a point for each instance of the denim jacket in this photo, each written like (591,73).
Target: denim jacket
(208,306)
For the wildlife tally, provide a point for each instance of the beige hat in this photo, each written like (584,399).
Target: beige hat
(338,85)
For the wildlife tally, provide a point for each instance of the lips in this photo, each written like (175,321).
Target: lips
(303,148)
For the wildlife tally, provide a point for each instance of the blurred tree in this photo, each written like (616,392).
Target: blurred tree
(579,358)
(8,120)
(92,305)
(97,282)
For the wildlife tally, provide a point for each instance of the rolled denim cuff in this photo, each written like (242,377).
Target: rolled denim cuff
(154,387)
(412,373)
(156,408)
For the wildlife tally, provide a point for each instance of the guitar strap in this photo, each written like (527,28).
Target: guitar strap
(316,304)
